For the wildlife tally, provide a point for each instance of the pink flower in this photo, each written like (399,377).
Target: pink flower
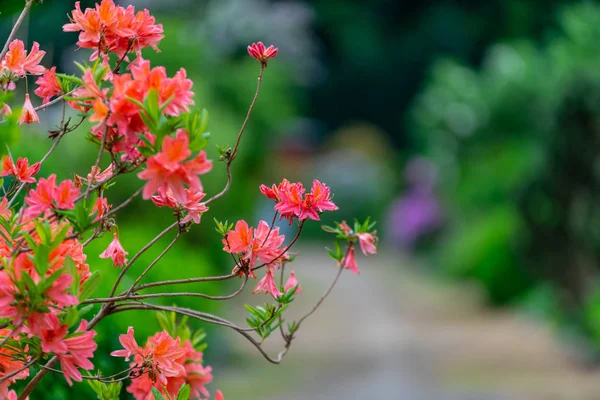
(113,28)
(80,348)
(349,261)
(130,347)
(367,243)
(274,191)
(48,85)
(168,170)
(116,252)
(22,170)
(196,374)
(5,111)
(238,240)
(100,208)
(17,60)
(162,350)
(40,199)
(267,285)
(65,195)
(164,198)
(262,54)
(172,364)
(317,201)
(47,195)
(58,293)
(28,115)
(291,282)
(8,366)
(53,338)
(96,176)
(165,352)
(12,395)
(266,244)
(219,395)
(262,243)
(292,202)
(194,207)
(345,228)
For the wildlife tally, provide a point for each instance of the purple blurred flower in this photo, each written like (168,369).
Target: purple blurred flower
(418,211)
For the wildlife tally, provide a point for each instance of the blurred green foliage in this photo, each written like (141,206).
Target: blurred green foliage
(517,141)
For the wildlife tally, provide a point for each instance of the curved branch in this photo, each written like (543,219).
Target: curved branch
(202,317)
(160,295)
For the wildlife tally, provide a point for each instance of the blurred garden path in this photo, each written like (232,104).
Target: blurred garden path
(392,333)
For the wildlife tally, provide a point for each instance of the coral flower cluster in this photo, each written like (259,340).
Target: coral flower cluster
(145,123)
(108,28)
(293,202)
(165,363)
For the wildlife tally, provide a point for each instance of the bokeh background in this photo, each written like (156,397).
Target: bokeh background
(469,129)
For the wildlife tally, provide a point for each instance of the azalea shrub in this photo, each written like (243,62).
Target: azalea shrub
(143,122)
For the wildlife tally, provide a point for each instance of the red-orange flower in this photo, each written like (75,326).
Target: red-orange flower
(18,61)
(48,85)
(169,170)
(21,170)
(262,54)
(28,115)
(111,28)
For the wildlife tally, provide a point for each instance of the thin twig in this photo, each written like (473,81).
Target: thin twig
(233,153)
(184,281)
(289,246)
(12,332)
(15,28)
(98,159)
(161,255)
(160,295)
(139,253)
(18,371)
(123,204)
(54,101)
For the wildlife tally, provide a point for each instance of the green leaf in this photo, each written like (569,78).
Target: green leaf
(151,106)
(149,122)
(136,102)
(166,103)
(81,67)
(90,286)
(157,394)
(71,317)
(40,259)
(200,142)
(184,393)
(70,78)
(71,269)
(47,282)
(203,121)
(165,321)
(85,309)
